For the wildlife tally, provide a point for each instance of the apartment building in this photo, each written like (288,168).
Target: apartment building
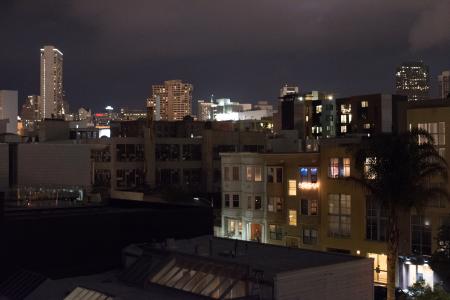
(305,200)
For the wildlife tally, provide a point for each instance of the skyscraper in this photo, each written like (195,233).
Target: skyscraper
(172,100)
(444,84)
(412,79)
(30,111)
(51,101)
(8,109)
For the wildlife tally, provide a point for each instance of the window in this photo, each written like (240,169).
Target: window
(253,173)
(258,202)
(437,131)
(274,174)
(369,172)
(275,232)
(339,167)
(258,174)
(227,200)
(344,129)
(233,228)
(292,217)
(249,202)
(235,200)
(292,187)
(313,175)
(313,207)
(250,173)
(304,175)
(309,207)
(226,172)
(235,173)
(364,103)
(275,204)
(339,215)
(366,125)
(420,235)
(346,108)
(376,220)
(346,169)
(333,168)
(343,119)
(318,109)
(309,236)
(379,267)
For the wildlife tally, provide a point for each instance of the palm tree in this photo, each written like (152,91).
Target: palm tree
(400,172)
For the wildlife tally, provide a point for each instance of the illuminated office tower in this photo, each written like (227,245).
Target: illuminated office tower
(51,103)
(412,79)
(172,100)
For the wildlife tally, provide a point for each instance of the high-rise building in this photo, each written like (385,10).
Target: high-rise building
(172,100)
(444,84)
(285,90)
(51,103)
(30,111)
(412,79)
(8,109)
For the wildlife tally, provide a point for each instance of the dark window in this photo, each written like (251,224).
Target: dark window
(227,200)
(309,236)
(235,200)
(420,235)
(258,202)
(275,232)
(304,207)
(375,221)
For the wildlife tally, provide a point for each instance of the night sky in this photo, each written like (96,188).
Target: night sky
(242,49)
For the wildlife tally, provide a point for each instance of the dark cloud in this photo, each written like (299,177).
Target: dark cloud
(114,49)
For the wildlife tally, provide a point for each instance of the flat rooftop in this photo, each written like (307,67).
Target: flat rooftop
(271,259)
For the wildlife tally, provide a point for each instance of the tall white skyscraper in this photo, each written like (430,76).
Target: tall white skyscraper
(444,84)
(8,110)
(51,103)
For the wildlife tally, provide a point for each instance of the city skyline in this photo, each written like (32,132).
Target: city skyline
(100,71)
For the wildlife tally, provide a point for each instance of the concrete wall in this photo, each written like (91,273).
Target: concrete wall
(4,167)
(8,109)
(54,164)
(350,280)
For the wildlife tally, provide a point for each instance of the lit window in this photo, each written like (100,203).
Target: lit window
(369,172)
(333,168)
(343,119)
(258,174)
(250,173)
(346,168)
(292,217)
(344,129)
(313,207)
(318,109)
(366,125)
(346,108)
(364,103)
(292,186)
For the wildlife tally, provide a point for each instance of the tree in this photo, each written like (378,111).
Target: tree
(440,261)
(421,291)
(400,171)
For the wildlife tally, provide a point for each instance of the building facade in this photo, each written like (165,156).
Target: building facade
(366,115)
(444,84)
(51,103)
(30,112)
(8,110)
(412,79)
(172,100)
